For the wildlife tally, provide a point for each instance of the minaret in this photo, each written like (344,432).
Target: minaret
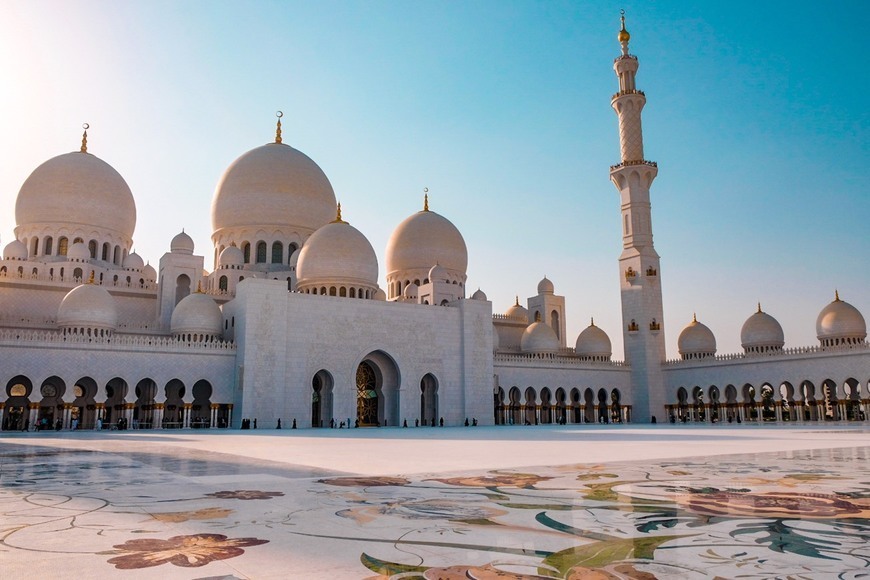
(639,279)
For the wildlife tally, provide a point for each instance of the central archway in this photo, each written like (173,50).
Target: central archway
(377,390)
(428,399)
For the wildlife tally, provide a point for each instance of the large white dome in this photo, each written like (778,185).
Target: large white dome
(197,314)
(423,240)
(761,333)
(696,341)
(337,254)
(273,186)
(77,189)
(539,338)
(88,306)
(593,343)
(840,323)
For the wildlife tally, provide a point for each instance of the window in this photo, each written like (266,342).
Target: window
(92,248)
(261,252)
(246,250)
(222,284)
(105,254)
(46,246)
(290,249)
(62,246)
(277,252)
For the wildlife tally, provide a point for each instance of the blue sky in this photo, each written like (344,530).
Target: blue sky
(756,114)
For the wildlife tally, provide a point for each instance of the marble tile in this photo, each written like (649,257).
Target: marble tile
(99,509)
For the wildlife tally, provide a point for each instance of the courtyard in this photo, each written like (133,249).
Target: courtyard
(630,501)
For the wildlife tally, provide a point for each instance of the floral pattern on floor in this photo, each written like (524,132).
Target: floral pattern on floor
(798,514)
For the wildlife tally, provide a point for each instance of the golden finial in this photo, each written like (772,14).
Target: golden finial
(694,318)
(85,126)
(836,295)
(425,199)
(759,306)
(623,35)
(338,219)
(278,114)
(91,278)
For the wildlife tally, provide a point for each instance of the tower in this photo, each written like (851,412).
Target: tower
(639,279)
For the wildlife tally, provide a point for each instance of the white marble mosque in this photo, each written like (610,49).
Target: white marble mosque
(294,323)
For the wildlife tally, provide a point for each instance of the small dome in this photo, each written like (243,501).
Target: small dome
(696,341)
(134,262)
(294,257)
(15,250)
(380,295)
(545,286)
(77,188)
(840,323)
(517,311)
(761,332)
(78,252)
(538,338)
(337,254)
(593,343)
(437,274)
(88,306)
(410,291)
(197,313)
(181,244)
(149,273)
(231,257)
(423,239)
(479,295)
(273,186)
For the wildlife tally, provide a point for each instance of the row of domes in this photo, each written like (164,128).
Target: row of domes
(839,323)
(273,187)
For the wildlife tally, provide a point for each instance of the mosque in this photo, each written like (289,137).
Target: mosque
(293,324)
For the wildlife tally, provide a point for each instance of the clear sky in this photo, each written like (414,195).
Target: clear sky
(756,114)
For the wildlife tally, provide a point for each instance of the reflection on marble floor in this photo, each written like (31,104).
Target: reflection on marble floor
(799,514)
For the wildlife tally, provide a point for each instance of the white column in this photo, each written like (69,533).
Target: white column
(186,420)
(157,416)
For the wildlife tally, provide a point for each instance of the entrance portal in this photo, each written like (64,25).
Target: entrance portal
(366,395)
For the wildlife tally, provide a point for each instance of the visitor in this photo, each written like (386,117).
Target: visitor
(466,421)
(417,422)
(474,422)
(74,425)
(441,421)
(294,423)
(99,424)
(404,423)
(279,424)
(255,422)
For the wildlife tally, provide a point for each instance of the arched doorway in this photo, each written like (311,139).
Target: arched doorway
(750,412)
(428,399)
(514,409)
(768,403)
(602,407)
(16,414)
(116,394)
(143,409)
(682,405)
(377,385)
(546,407)
(852,390)
(498,400)
(561,415)
(811,410)
(85,404)
(589,400)
(714,404)
(173,409)
(531,407)
(51,406)
(576,415)
(786,393)
(615,406)
(321,398)
(831,400)
(200,411)
(698,405)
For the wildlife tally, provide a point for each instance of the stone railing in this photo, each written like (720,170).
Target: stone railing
(507,318)
(630,163)
(57,280)
(629,92)
(117,341)
(553,359)
(786,352)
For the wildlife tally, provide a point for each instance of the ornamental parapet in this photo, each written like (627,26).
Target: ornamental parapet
(113,342)
(555,359)
(508,318)
(631,163)
(46,278)
(627,92)
(786,352)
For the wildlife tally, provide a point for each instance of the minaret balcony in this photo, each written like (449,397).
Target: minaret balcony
(631,163)
(629,92)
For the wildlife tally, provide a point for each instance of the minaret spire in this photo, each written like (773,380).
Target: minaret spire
(425,199)
(278,140)
(84,148)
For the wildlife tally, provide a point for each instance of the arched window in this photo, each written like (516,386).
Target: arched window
(261,252)
(117,257)
(78,241)
(290,249)
(222,284)
(62,246)
(554,324)
(341,291)
(182,287)
(92,248)
(246,250)
(35,246)
(46,246)
(277,252)
(77,274)
(106,250)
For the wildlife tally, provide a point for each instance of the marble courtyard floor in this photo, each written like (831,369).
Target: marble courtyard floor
(575,502)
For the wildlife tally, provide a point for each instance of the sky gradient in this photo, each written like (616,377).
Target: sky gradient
(756,113)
